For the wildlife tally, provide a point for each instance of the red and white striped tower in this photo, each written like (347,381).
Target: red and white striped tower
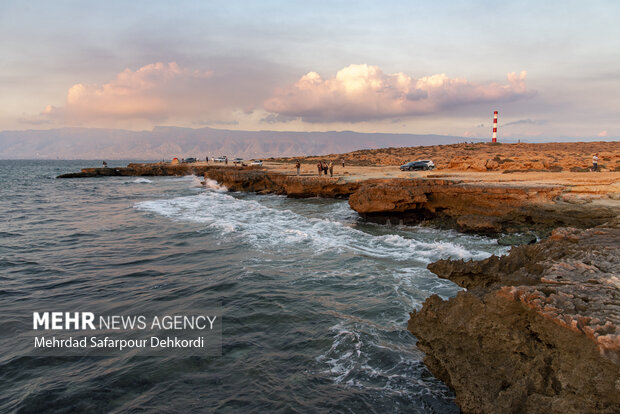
(494,126)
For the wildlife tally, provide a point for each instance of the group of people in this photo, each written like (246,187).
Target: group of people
(323,167)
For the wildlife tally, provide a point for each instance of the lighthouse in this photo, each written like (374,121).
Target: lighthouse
(494,126)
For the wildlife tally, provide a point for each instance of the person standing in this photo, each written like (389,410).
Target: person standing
(595,162)
(297,166)
(319,166)
(207,159)
(342,162)
(331,169)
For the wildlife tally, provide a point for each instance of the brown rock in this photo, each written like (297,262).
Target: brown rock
(491,165)
(537,331)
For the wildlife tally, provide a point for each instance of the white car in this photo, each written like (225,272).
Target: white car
(256,162)
(220,159)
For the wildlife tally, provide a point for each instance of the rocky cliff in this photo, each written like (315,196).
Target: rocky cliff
(466,206)
(473,207)
(263,181)
(537,331)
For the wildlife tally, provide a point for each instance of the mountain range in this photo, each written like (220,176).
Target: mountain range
(168,142)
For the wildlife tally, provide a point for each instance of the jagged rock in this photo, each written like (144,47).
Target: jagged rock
(537,331)
(492,165)
(517,239)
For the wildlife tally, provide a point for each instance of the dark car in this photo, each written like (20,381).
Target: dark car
(190,159)
(418,165)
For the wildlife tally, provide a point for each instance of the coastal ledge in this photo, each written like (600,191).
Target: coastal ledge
(140,170)
(468,206)
(537,331)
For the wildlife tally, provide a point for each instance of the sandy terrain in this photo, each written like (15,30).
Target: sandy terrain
(572,156)
(584,185)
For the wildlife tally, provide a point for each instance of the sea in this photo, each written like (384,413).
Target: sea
(314,300)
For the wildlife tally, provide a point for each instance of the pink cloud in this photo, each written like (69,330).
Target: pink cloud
(602,134)
(153,92)
(364,92)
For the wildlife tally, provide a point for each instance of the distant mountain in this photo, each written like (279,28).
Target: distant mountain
(168,142)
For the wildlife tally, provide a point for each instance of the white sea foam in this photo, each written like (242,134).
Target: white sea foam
(142,180)
(354,358)
(282,230)
(344,355)
(213,185)
(196,181)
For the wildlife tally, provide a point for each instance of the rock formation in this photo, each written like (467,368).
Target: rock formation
(536,331)
(141,170)
(564,156)
(263,181)
(473,207)
(466,206)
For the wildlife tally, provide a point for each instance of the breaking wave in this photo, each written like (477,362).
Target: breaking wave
(250,221)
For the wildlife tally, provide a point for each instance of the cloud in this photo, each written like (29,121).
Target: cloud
(155,93)
(363,92)
(526,122)
(602,134)
(276,118)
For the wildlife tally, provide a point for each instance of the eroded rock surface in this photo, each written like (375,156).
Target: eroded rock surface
(141,170)
(536,331)
(473,207)
(263,181)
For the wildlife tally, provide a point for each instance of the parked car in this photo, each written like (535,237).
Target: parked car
(418,165)
(190,159)
(221,158)
(237,160)
(256,162)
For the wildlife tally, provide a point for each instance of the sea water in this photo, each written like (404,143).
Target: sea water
(315,301)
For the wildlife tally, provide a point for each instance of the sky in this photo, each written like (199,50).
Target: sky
(551,69)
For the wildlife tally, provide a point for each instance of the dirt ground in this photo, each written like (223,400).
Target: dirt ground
(580,184)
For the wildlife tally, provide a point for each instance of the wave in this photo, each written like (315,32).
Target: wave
(361,357)
(281,230)
(142,180)
(213,185)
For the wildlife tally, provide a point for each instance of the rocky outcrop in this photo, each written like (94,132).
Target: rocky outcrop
(536,331)
(143,170)
(469,207)
(473,207)
(263,181)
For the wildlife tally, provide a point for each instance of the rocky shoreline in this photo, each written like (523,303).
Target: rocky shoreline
(466,206)
(535,331)
(140,170)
